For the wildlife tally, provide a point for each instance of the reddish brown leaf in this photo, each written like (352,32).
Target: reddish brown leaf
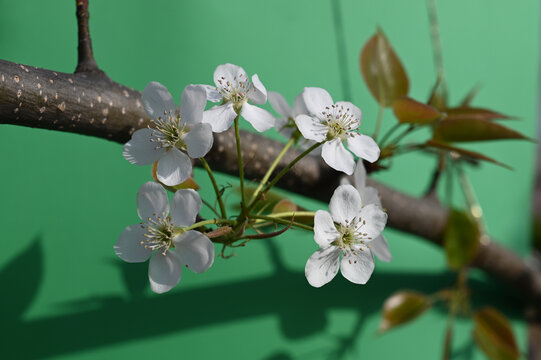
(438,96)
(382,70)
(411,111)
(458,130)
(493,334)
(474,113)
(402,307)
(463,152)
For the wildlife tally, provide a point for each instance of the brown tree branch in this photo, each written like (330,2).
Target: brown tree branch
(85,61)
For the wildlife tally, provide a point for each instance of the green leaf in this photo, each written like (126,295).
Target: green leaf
(461,239)
(402,307)
(493,334)
(382,70)
(411,111)
(474,113)
(472,155)
(461,129)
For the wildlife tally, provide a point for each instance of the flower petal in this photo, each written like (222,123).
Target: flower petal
(140,150)
(322,266)
(164,271)
(229,72)
(345,204)
(195,250)
(299,106)
(128,246)
(359,176)
(357,267)
(369,195)
(364,147)
(280,105)
(199,140)
(324,229)
(353,109)
(212,93)
(317,100)
(174,167)
(192,104)
(151,201)
(257,93)
(336,156)
(311,128)
(380,247)
(220,117)
(374,220)
(157,100)
(185,206)
(261,119)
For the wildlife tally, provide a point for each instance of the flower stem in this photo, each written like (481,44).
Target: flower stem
(282,221)
(209,222)
(292,213)
(215,186)
(389,133)
(271,169)
(240,164)
(379,121)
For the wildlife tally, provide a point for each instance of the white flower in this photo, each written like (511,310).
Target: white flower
(346,231)
(234,90)
(171,132)
(159,236)
(335,123)
(369,195)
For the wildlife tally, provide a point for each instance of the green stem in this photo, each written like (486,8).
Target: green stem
(400,136)
(389,133)
(240,164)
(379,121)
(209,222)
(473,204)
(292,213)
(282,221)
(215,186)
(282,173)
(271,169)
(206,203)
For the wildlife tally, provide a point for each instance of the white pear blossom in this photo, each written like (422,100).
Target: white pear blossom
(369,195)
(344,232)
(162,236)
(235,90)
(171,134)
(335,123)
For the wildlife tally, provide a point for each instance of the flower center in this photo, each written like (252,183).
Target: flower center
(169,130)
(235,91)
(352,237)
(341,123)
(159,233)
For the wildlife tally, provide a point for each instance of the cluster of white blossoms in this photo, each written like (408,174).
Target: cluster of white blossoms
(169,234)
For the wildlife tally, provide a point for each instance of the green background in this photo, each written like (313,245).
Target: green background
(65,198)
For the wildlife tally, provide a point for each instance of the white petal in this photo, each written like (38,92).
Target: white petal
(164,271)
(151,201)
(345,204)
(257,93)
(280,105)
(359,176)
(344,180)
(322,266)
(354,110)
(317,100)
(374,221)
(261,119)
(380,247)
(229,72)
(357,268)
(174,167)
(324,229)
(220,117)
(157,100)
(199,140)
(140,150)
(128,246)
(185,206)
(311,128)
(299,107)
(195,250)
(192,104)
(364,147)
(369,195)
(212,93)
(336,156)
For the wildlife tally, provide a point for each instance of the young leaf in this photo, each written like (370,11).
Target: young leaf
(494,335)
(469,96)
(474,113)
(438,95)
(402,307)
(463,152)
(461,239)
(411,111)
(382,70)
(458,130)
(284,205)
